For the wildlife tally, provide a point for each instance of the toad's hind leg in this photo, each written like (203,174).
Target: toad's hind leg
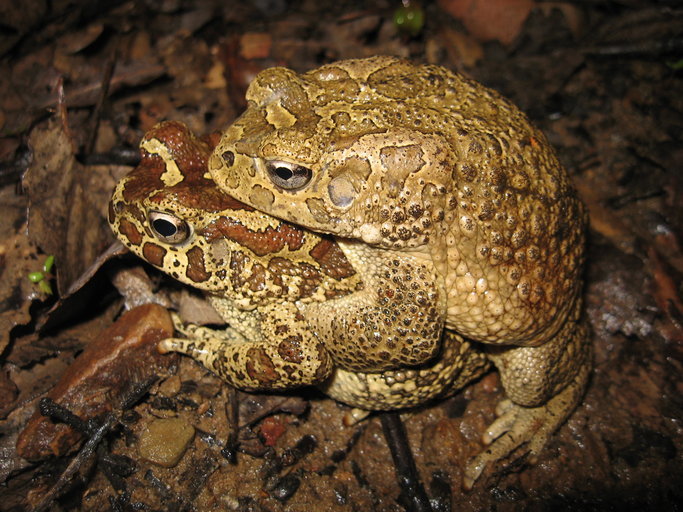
(457,364)
(544,385)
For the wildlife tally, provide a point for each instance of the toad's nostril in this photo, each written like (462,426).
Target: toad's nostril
(228,158)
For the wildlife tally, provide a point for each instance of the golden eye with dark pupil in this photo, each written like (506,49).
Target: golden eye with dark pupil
(287,175)
(169,228)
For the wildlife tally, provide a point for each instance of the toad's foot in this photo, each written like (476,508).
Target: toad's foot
(531,426)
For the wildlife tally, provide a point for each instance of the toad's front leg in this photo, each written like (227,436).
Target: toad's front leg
(272,349)
(395,321)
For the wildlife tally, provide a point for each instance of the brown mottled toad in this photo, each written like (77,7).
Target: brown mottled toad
(452,207)
(259,272)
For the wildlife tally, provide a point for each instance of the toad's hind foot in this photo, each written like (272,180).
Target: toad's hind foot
(517,425)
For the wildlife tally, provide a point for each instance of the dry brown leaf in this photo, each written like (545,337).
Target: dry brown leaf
(76,41)
(573,15)
(462,49)
(602,219)
(137,46)
(18,258)
(255,45)
(197,310)
(215,77)
(18,18)
(665,288)
(64,210)
(114,361)
(489,20)
(8,393)
(136,287)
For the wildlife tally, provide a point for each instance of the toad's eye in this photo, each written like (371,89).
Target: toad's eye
(169,228)
(287,175)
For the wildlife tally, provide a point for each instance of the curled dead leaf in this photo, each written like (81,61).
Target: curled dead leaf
(489,20)
(97,381)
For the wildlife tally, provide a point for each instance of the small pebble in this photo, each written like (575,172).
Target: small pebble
(164,441)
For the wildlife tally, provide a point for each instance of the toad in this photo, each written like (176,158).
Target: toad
(453,208)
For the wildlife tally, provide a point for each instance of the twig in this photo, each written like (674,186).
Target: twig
(232,412)
(104,93)
(63,116)
(87,450)
(52,409)
(415,497)
(671,46)
(95,432)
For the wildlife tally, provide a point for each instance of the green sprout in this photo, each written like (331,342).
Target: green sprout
(42,278)
(409,18)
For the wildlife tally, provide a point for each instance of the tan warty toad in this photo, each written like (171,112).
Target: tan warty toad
(258,273)
(453,208)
